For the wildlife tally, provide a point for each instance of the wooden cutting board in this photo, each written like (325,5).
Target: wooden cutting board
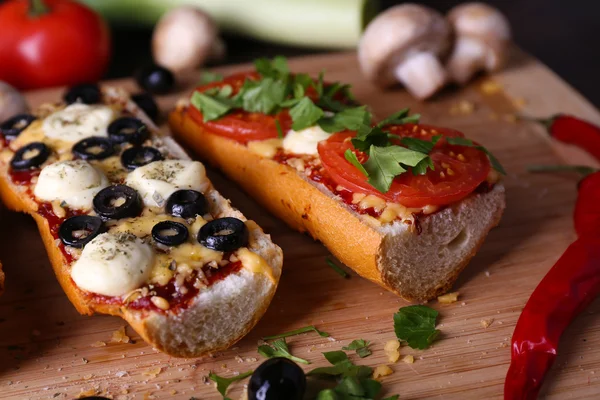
(48,351)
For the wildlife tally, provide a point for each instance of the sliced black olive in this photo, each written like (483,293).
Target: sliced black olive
(146,102)
(155,79)
(223,234)
(12,127)
(93,148)
(30,156)
(127,130)
(277,378)
(86,93)
(135,157)
(170,233)
(186,204)
(118,201)
(80,230)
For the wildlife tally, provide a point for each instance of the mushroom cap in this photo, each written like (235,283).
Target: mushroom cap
(398,33)
(184,38)
(479,20)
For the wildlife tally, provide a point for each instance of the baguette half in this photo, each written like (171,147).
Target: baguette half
(417,266)
(216,317)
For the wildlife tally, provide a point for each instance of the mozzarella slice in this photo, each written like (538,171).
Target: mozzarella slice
(113,264)
(78,121)
(74,182)
(156,181)
(304,141)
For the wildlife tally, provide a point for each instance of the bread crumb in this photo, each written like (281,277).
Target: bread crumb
(486,322)
(98,344)
(86,393)
(121,374)
(85,360)
(490,87)
(391,349)
(120,336)
(153,372)
(448,298)
(88,376)
(382,370)
(487,274)
(408,359)
(463,107)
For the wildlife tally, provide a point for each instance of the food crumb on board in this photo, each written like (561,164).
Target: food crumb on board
(88,392)
(463,107)
(98,344)
(382,370)
(490,87)
(448,298)
(120,336)
(408,359)
(121,374)
(391,350)
(153,372)
(487,274)
(485,323)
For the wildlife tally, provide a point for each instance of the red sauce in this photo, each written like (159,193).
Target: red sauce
(54,222)
(23,177)
(320,175)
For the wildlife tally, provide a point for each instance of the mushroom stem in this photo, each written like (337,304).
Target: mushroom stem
(422,74)
(469,56)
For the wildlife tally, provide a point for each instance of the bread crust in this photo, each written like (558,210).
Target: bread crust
(310,207)
(195,330)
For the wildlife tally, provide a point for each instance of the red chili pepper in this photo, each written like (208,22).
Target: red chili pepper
(572,130)
(570,286)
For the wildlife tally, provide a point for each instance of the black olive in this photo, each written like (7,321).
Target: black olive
(106,202)
(186,203)
(155,79)
(12,127)
(127,130)
(146,102)
(37,153)
(80,230)
(93,148)
(86,93)
(277,378)
(135,157)
(180,236)
(223,234)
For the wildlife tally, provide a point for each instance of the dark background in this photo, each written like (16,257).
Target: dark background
(563,34)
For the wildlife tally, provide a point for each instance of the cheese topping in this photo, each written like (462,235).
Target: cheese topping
(255,263)
(113,264)
(266,148)
(304,141)
(156,181)
(72,182)
(78,121)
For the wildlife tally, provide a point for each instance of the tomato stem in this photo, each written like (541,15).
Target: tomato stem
(37,8)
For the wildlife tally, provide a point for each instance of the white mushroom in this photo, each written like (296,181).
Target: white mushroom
(482,38)
(12,102)
(404,44)
(185,38)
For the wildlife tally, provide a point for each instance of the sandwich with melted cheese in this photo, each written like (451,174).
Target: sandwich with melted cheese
(133,227)
(404,204)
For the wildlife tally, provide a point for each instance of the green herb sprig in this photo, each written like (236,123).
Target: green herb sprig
(224,383)
(309,328)
(416,326)
(361,347)
(279,348)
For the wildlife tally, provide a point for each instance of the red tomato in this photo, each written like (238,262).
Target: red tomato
(458,169)
(65,45)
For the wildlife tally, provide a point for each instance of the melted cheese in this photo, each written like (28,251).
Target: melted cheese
(72,182)
(304,141)
(266,148)
(113,264)
(78,121)
(156,181)
(255,263)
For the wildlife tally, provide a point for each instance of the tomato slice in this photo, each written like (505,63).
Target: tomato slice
(458,169)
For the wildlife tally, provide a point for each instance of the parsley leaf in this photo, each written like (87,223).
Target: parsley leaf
(279,349)
(263,96)
(224,383)
(469,143)
(385,163)
(209,77)
(280,134)
(423,146)
(350,156)
(399,118)
(361,346)
(310,328)
(337,269)
(350,118)
(416,325)
(342,367)
(305,114)
(211,106)
(394,397)
(276,68)
(367,137)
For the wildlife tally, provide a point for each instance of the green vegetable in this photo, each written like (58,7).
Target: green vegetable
(212,107)
(469,143)
(352,159)
(349,118)
(305,114)
(280,134)
(308,23)
(342,367)
(263,96)
(386,163)
(279,349)
(361,346)
(399,118)
(224,383)
(337,269)
(310,328)
(416,326)
(209,77)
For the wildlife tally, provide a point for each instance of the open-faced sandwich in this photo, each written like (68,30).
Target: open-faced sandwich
(403,204)
(133,227)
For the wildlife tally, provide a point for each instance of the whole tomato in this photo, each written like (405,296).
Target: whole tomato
(51,43)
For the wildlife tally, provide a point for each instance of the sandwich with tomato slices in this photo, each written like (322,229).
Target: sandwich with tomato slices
(404,204)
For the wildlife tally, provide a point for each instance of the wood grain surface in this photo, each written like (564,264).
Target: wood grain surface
(49,351)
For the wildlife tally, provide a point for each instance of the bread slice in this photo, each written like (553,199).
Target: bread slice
(218,316)
(416,264)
